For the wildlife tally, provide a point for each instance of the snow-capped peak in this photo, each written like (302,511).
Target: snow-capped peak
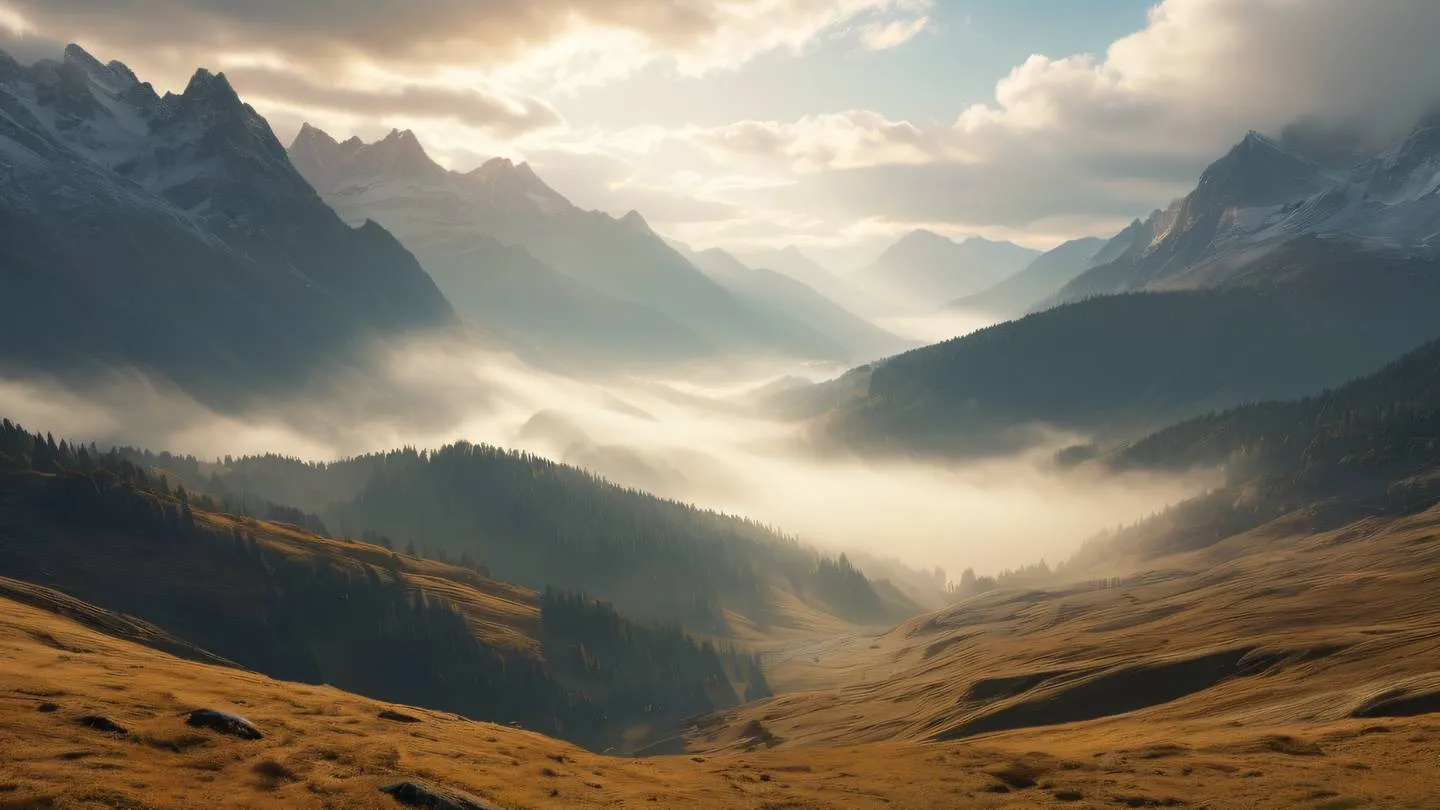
(114,77)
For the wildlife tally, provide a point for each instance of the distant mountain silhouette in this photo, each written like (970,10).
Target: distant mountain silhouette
(172,234)
(578,282)
(927,270)
(795,263)
(855,338)
(1043,277)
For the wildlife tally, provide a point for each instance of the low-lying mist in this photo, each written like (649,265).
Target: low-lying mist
(688,435)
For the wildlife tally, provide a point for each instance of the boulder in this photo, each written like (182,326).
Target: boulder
(225,723)
(435,797)
(100,722)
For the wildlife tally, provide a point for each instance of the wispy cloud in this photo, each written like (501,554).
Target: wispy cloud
(886,35)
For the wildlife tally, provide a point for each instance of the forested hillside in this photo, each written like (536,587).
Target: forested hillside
(543,524)
(1371,447)
(1311,315)
(277,599)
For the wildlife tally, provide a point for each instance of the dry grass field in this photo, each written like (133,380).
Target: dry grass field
(1281,668)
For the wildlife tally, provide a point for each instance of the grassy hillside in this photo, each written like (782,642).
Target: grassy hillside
(278,599)
(327,748)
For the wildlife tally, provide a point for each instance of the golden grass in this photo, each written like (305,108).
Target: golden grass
(1353,611)
(1273,628)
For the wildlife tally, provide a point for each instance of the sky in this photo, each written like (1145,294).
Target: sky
(835,125)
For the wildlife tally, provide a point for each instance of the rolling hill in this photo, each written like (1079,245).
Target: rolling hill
(541,524)
(1288,664)
(1289,604)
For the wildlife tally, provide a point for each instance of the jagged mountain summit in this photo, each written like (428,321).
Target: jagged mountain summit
(503,287)
(1263,194)
(926,270)
(621,290)
(172,233)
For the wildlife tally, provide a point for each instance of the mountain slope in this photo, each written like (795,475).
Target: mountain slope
(543,524)
(1280,278)
(502,287)
(1261,195)
(1238,608)
(1312,314)
(793,262)
(453,220)
(276,598)
(1046,275)
(926,269)
(172,233)
(855,338)
(1268,437)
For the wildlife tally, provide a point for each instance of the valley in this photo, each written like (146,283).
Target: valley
(719,405)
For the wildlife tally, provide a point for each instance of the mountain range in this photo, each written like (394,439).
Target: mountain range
(512,252)
(171,234)
(788,297)
(1272,279)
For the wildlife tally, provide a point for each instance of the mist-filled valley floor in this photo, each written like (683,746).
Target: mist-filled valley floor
(490,443)
(701,434)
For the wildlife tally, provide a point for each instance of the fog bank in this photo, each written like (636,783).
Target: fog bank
(686,436)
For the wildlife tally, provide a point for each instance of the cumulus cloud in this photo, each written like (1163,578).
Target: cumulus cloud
(1067,145)
(1098,139)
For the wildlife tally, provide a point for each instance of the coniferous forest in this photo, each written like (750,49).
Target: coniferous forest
(106,530)
(544,524)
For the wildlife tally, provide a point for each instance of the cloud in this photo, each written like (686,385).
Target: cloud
(686,437)
(1100,139)
(505,116)
(428,37)
(883,36)
(1067,145)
